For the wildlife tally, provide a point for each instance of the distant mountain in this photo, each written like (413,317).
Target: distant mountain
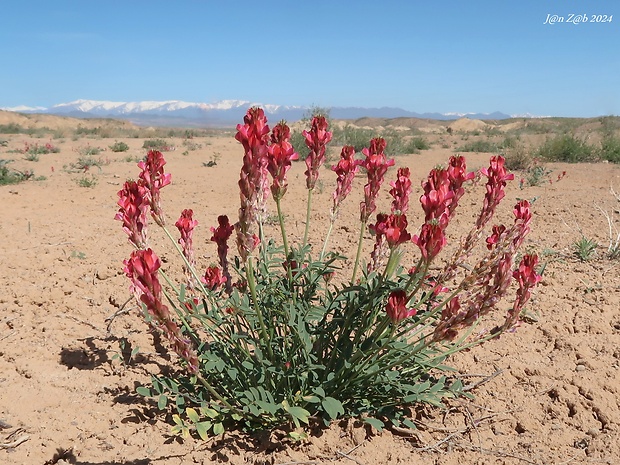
(223,113)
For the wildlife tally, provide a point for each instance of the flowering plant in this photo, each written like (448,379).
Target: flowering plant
(281,334)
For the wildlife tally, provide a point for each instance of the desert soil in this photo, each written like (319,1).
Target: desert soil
(67,390)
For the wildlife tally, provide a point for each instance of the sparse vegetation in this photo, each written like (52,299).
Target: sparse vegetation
(585,249)
(87,181)
(157,144)
(9,176)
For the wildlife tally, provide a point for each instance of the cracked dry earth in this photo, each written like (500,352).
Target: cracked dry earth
(548,394)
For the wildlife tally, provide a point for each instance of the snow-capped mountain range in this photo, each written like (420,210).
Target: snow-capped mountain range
(222,113)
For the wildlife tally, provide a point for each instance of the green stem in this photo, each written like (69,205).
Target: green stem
(257,310)
(359,251)
(308,210)
(215,394)
(191,269)
(282,229)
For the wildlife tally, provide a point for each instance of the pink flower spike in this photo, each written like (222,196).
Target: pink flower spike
(153,179)
(280,154)
(134,203)
(221,234)
(142,269)
(401,188)
(186,224)
(396,307)
(316,139)
(253,182)
(527,278)
(496,182)
(345,170)
(376,165)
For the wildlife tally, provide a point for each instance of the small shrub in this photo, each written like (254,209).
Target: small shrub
(191,145)
(87,181)
(565,148)
(32,157)
(585,249)
(119,147)
(517,158)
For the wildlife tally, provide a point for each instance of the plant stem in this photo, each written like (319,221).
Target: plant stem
(282,229)
(215,394)
(259,314)
(329,231)
(359,251)
(308,210)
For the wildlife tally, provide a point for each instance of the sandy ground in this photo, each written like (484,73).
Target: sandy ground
(67,390)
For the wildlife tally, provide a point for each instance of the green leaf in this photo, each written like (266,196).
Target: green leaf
(218,429)
(178,420)
(333,407)
(311,399)
(143,391)
(208,412)
(202,428)
(192,415)
(375,423)
(162,402)
(409,424)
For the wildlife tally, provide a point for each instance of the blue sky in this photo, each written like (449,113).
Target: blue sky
(444,56)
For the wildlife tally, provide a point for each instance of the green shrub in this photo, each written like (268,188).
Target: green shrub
(119,147)
(565,148)
(157,144)
(610,148)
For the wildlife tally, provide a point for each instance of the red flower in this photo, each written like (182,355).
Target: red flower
(345,170)
(393,227)
(186,224)
(213,278)
(400,191)
(376,164)
(134,203)
(396,307)
(523,218)
(153,178)
(253,182)
(495,236)
(431,240)
(316,139)
(527,278)
(496,182)
(280,154)
(457,173)
(437,196)
(221,234)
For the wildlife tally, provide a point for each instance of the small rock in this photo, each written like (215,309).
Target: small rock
(580,368)
(593,432)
